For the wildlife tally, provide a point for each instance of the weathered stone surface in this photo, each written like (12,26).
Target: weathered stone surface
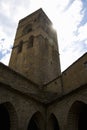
(34,94)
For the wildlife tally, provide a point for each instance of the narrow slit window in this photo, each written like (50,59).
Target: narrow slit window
(30,42)
(20,47)
(85,64)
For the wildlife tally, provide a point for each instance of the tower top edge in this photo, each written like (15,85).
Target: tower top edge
(40,10)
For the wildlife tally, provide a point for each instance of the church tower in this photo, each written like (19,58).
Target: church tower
(35,53)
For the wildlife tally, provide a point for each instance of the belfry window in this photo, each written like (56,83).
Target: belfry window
(20,47)
(85,64)
(27,29)
(30,42)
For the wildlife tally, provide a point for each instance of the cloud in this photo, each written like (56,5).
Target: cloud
(82,32)
(5,49)
(70,2)
(72,35)
(84,12)
(5,59)
(10,14)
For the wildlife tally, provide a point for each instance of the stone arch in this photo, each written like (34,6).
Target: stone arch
(36,122)
(8,117)
(77,116)
(52,123)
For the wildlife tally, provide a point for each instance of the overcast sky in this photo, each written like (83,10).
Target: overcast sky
(68,16)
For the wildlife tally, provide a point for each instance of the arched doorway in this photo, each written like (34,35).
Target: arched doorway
(52,123)
(77,117)
(8,118)
(82,122)
(4,118)
(36,122)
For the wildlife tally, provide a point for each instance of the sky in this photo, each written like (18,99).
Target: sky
(69,18)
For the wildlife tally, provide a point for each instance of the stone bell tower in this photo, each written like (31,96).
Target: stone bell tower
(35,52)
